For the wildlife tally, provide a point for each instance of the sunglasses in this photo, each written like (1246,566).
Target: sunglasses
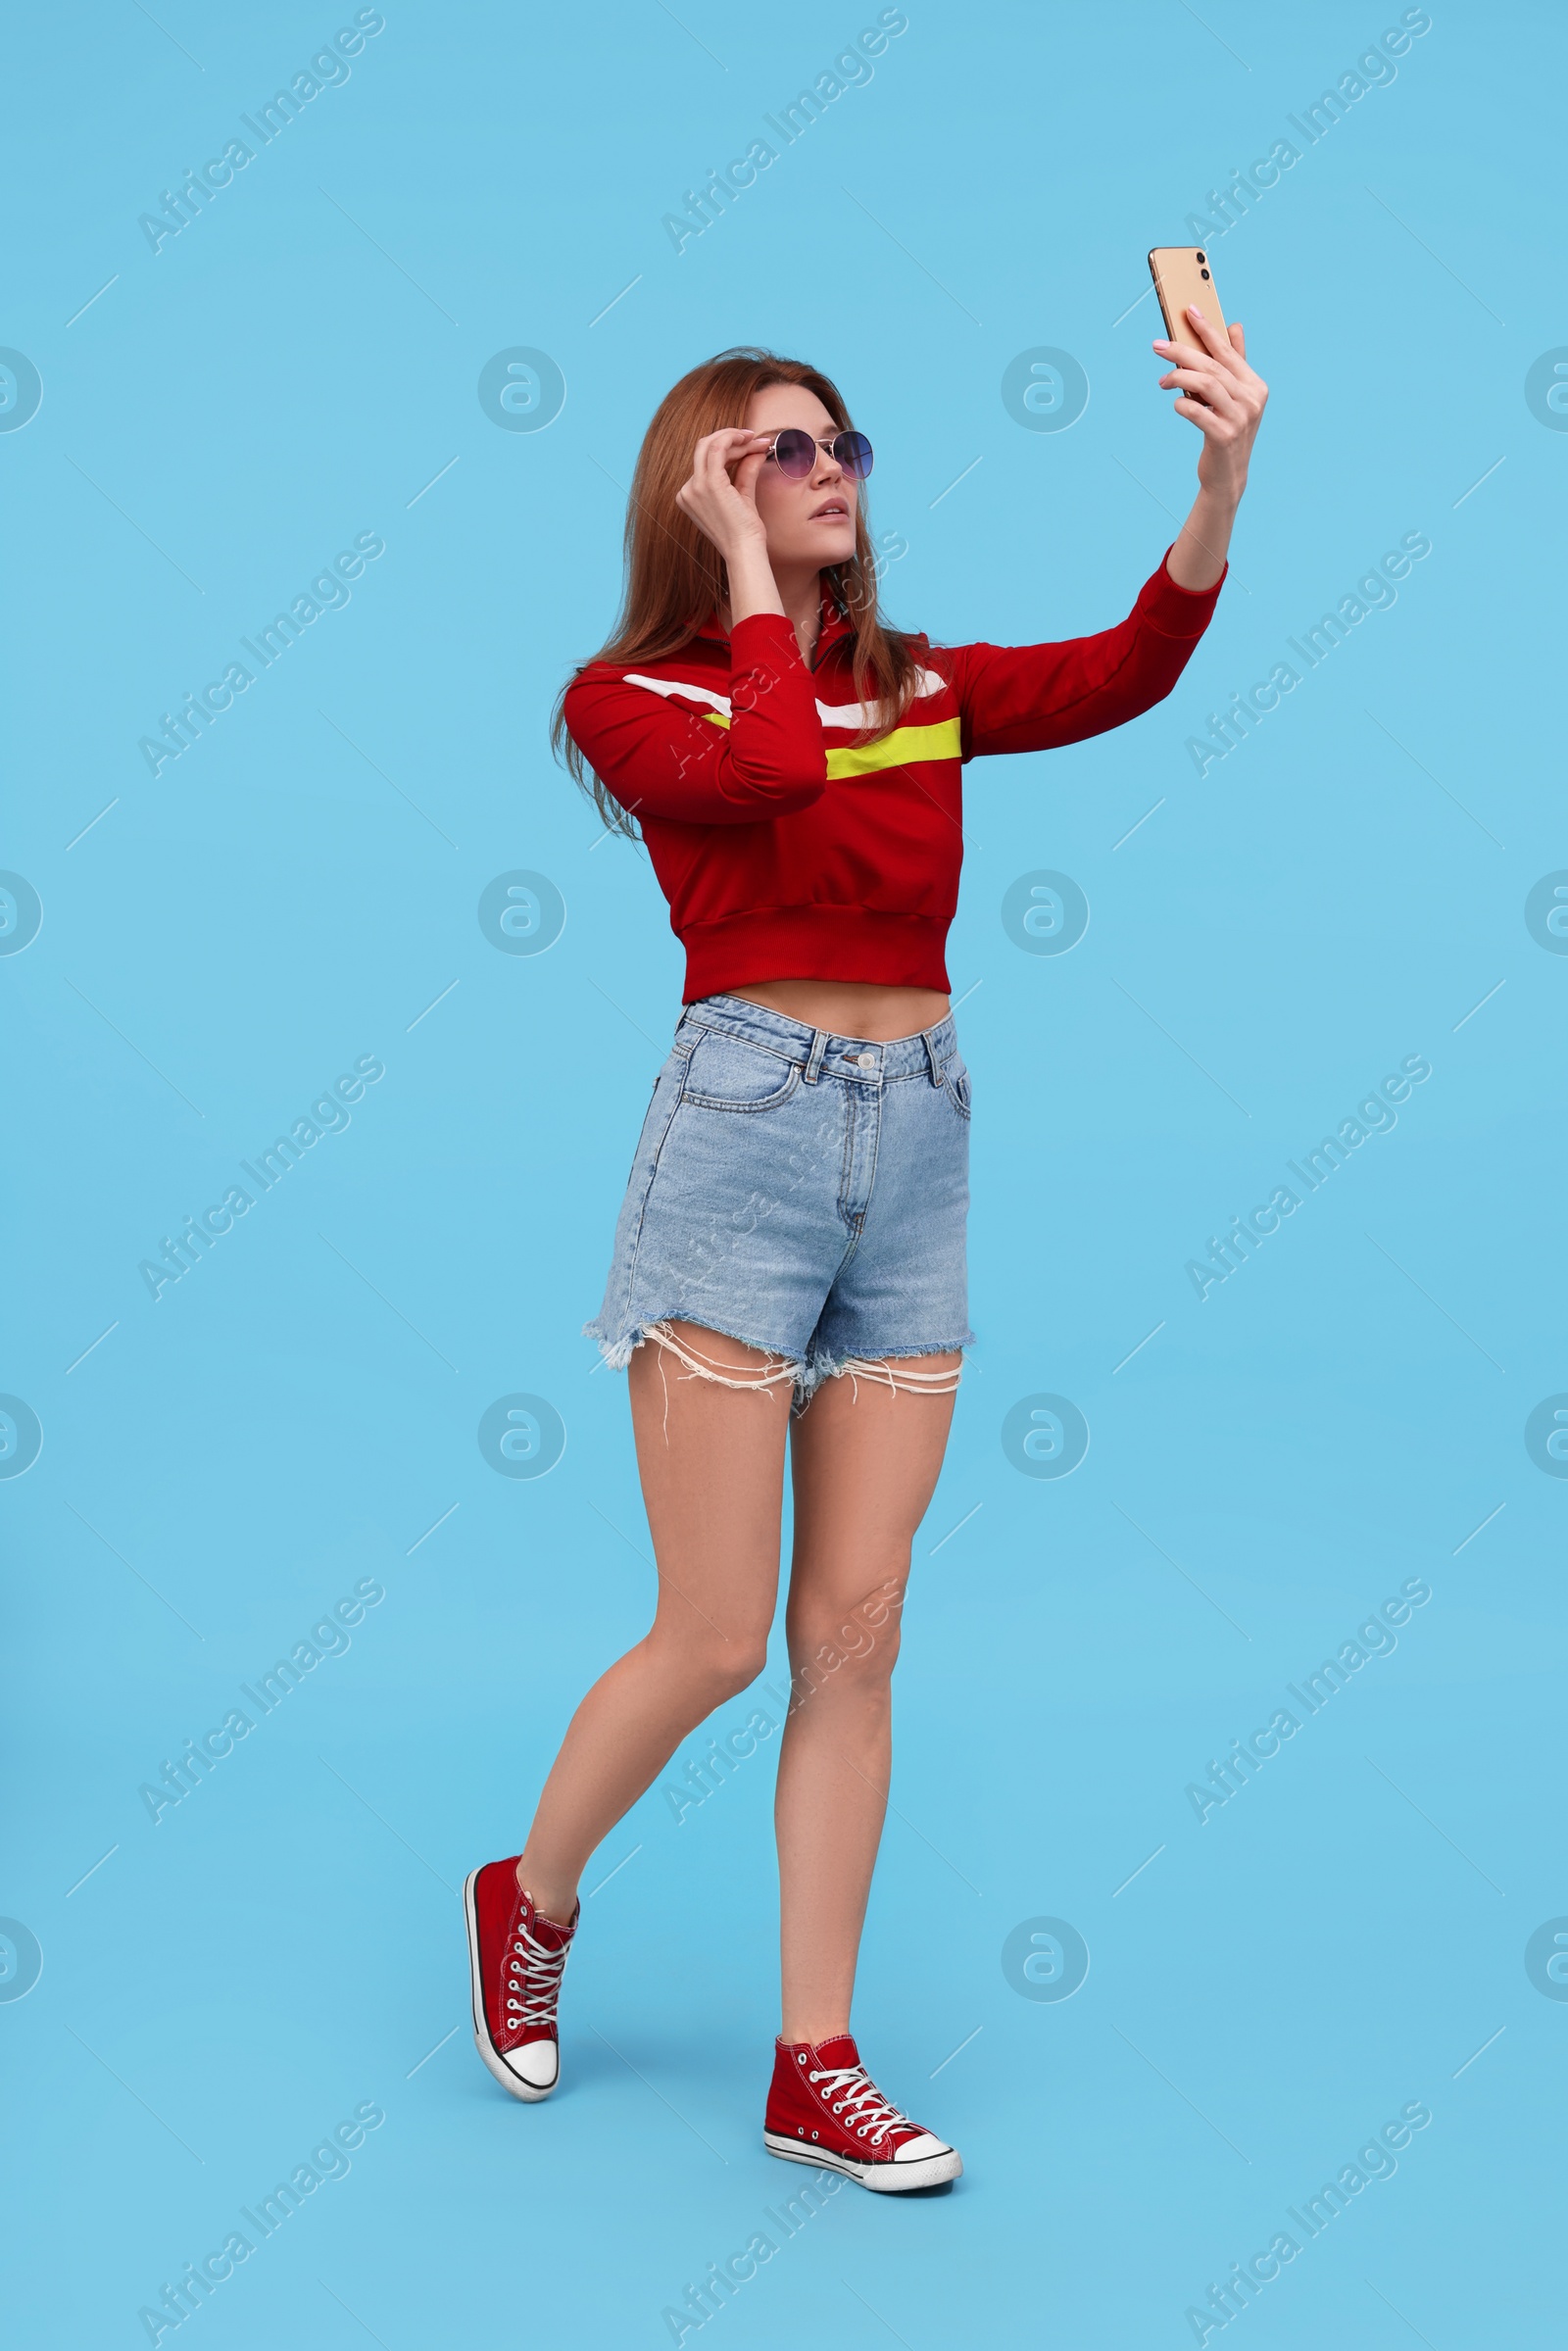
(794,451)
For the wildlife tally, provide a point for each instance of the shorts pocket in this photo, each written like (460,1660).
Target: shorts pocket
(957,1086)
(727,1073)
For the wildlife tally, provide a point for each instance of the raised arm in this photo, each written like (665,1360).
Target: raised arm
(663,752)
(1038,696)
(673,752)
(1219,392)
(1034,697)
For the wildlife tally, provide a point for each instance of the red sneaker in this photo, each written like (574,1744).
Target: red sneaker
(516,1960)
(824,2108)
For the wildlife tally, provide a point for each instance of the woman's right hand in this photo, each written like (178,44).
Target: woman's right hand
(722,502)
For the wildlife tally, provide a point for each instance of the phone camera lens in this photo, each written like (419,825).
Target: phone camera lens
(1202,273)
(1202,257)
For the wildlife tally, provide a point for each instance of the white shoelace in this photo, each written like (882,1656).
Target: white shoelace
(856,2094)
(534,1971)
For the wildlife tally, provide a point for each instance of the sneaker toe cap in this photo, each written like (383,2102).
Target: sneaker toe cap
(535,2062)
(918,2150)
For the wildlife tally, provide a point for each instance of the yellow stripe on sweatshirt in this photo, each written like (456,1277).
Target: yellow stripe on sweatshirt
(903,748)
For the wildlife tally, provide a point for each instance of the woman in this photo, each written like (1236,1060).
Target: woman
(789,1259)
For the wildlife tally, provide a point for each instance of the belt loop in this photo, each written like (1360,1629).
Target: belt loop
(814,1061)
(928,1040)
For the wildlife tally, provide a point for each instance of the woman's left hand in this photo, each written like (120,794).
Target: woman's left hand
(1219,393)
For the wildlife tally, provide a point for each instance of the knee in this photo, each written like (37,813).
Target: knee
(714,1668)
(856,1650)
(735,1667)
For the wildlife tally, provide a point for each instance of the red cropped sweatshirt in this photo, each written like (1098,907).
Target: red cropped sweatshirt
(789,851)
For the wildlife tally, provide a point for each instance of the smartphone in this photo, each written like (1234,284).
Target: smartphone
(1181,274)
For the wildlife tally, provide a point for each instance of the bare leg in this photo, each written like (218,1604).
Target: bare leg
(712,1462)
(865,1463)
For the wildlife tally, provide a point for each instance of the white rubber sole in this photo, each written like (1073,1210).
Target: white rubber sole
(888,2178)
(481,2031)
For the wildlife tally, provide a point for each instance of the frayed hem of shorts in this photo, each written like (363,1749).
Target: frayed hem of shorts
(808,1376)
(614,1353)
(821,1368)
(618,1353)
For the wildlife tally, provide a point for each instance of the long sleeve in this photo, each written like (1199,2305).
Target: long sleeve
(743,759)
(1037,697)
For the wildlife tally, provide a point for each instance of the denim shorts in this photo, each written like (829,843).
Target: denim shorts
(803,1192)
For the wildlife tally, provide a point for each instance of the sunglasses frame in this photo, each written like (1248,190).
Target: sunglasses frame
(831,444)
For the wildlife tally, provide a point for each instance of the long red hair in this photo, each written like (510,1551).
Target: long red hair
(675,577)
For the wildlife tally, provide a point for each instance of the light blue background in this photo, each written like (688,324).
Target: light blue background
(298,887)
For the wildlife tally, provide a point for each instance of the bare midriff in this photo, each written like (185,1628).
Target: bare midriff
(851,1008)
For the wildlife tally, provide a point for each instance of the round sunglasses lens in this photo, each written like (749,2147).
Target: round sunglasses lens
(853,453)
(794,453)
